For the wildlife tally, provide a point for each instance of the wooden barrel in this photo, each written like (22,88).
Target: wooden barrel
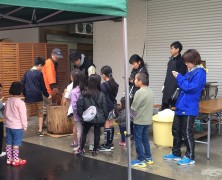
(57,122)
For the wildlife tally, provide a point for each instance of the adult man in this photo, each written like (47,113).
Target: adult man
(34,88)
(175,64)
(81,62)
(50,77)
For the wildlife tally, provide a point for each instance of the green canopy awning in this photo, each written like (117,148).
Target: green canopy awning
(34,13)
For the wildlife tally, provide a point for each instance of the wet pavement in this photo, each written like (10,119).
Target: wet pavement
(203,169)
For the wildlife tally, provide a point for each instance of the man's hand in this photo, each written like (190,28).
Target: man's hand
(175,74)
(55,90)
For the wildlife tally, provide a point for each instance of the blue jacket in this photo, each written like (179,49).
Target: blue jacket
(191,86)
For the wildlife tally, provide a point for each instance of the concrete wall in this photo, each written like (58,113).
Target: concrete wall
(21,35)
(108,45)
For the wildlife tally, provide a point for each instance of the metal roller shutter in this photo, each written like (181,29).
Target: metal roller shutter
(196,24)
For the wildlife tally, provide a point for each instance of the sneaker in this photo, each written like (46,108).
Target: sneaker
(79,153)
(122,143)
(185,161)
(40,134)
(138,163)
(149,160)
(111,146)
(94,153)
(76,149)
(2,154)
(18,163)
(104,148)
(91,147)
(171,157)
(73,144)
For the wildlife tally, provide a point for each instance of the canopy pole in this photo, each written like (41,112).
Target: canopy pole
(125,49)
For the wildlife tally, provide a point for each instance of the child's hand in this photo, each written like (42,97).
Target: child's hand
(50,96)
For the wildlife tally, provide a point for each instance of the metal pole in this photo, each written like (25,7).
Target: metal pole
(125,49)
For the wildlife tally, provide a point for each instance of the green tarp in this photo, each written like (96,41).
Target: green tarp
(104,7)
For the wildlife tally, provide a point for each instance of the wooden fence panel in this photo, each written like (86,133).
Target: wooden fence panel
(9,66)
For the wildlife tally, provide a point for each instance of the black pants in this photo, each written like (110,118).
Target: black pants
(182,131)
(86,128)
(1,135)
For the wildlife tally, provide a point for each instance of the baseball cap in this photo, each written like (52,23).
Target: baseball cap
(57,52)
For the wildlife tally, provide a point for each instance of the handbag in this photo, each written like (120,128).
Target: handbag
(89,114)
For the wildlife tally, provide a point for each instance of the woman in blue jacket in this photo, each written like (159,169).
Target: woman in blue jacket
(187,107)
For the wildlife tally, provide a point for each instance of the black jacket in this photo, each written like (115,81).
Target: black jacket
(85,66)
(170,84)
(132,87)
(99,101)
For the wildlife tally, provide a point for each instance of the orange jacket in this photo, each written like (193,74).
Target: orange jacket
(49,74)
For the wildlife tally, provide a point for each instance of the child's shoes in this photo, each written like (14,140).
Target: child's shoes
(9,162)
(18,163)
(122,143)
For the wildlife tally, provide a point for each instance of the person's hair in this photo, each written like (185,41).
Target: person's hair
(192,56)
(74,56)
(177,45)
(39,61)
(122,100)
(143,77)
(107,71)
(136,58)
(78,79)
(16,88)
(93,87)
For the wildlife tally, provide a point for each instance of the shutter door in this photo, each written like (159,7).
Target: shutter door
(196,24)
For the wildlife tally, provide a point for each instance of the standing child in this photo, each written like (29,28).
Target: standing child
(34,88)
(143,107)
(16,122)
(92,97)
(138,65)
(110,88)
(78,79)
(1,121)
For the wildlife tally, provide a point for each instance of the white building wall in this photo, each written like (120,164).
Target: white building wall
(30,35)
(108,45)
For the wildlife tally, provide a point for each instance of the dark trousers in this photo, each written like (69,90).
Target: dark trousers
(86,128)
(182,131)
(123,136)
(1,135)
(132,128)
(167,105)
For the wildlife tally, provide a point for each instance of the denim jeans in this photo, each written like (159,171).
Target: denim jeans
(123,136)
(14,137)
(141,141)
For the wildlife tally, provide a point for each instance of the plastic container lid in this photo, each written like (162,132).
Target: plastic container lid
(166,115)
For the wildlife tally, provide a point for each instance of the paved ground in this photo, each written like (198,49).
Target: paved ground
(203,169)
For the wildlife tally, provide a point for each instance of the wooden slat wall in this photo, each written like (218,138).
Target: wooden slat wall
(9,66)
(63,67)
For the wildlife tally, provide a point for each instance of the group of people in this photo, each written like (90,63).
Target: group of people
(40,85)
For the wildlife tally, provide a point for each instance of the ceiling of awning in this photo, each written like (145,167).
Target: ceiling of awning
(35,13)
